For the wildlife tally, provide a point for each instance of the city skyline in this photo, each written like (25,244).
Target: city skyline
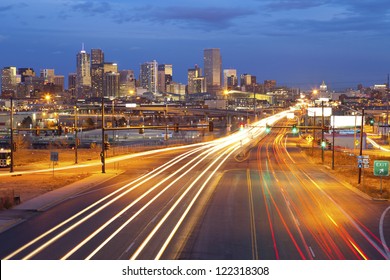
(298,43)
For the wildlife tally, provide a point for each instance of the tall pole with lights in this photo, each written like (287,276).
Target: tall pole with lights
(102,157)
(361,144)
(76,139)
(322,132)
(12,145)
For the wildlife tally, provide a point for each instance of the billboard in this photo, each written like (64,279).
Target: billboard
(317,111)
(346,121)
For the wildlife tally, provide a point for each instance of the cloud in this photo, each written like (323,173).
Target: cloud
(353,24)
(205,18)
(332,16)
(92,8)
(6,8)
(280,5)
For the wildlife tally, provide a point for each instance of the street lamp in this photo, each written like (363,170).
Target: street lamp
(76,140)
(47,98)
(12,146)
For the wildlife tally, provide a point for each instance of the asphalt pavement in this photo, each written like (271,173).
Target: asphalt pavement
(21,212)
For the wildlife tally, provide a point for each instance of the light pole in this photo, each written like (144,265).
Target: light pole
(102,152)
(361,144)
(76,140)
(322,131)
(12,146)
(254,103)
(333,132)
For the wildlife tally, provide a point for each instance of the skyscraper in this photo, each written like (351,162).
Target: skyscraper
(164,76)
(196,83)
(230,80)
(111,84)
(97,56)
(148,76)
(48,75)
(126,83)
(110,79)
(213,69)
(25,73)
(83,71)
(8,81)
(97,70)
(72,78)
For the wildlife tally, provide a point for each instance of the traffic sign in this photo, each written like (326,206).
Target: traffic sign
(54,156)
(381,168)
(357,142)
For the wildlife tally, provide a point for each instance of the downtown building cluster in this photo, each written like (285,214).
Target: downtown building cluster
(95,78)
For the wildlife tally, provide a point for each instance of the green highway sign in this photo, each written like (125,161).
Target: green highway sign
(381,168)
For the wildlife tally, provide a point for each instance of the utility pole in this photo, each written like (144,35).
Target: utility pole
(12,146)
(387,109)
(76,140)
(361,144)
(333,132)
(322,131)
(103,150)
(254,103)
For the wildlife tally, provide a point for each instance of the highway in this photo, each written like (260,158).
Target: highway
(245,196)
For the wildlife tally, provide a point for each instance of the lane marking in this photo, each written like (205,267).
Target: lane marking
(255,254)
(382,236)
(312,252)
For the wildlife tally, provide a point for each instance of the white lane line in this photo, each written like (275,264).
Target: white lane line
(157,171)
(359,229)
(381,232)
(204,154)
(173,232)
(312,252)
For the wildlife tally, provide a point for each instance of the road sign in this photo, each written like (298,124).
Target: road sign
(54,156)
(381,168)
(357,142)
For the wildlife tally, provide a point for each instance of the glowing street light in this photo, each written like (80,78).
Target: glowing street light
(47,98)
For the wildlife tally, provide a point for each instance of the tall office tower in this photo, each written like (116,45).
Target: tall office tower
(97,71)
(230,80)
(148,76)
(110,67)
(97,56)
(8,81)
(59,82)
(126,83)
(83,81)
(25,73)
(213,69)
(247,82)
(72,77)
(194,78)
(111,84)
(48,76)
(164,76)
(110,79)
(269,84)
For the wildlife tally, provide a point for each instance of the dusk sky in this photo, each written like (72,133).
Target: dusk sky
(299,43)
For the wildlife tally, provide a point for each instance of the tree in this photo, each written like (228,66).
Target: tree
(89,123)
(26,122)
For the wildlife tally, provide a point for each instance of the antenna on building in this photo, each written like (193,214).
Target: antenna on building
(82,47)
